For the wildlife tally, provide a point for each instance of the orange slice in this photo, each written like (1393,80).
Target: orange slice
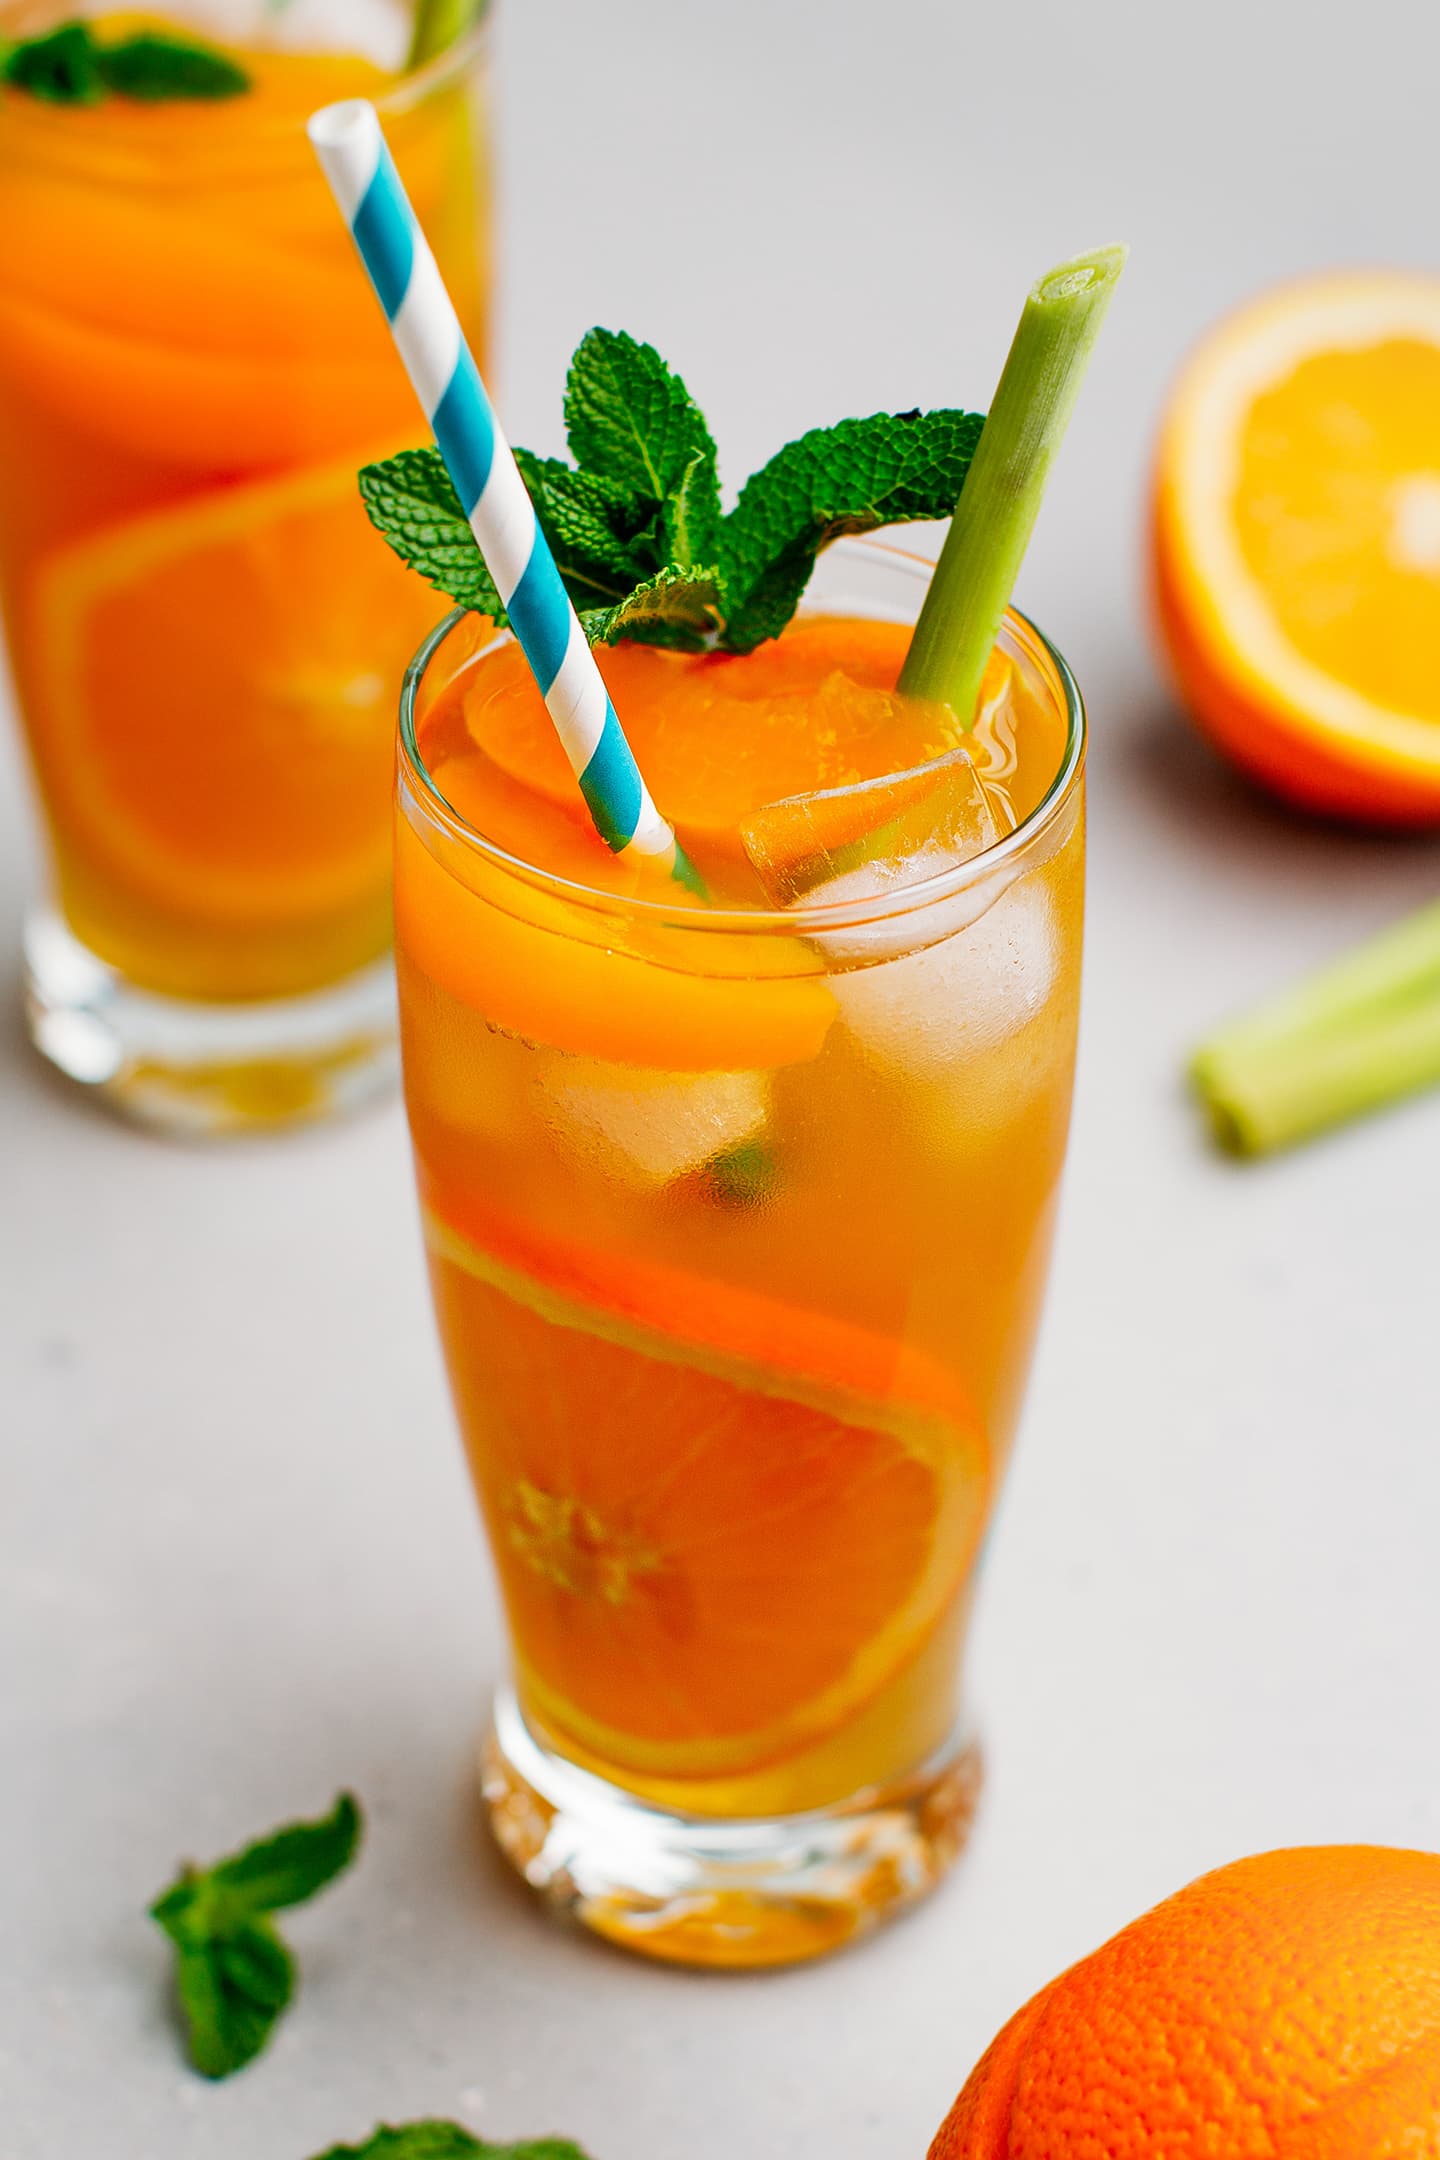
(716,738)
(1297,543)
(721,1523)
(209,411)
(552,972)
(214,690)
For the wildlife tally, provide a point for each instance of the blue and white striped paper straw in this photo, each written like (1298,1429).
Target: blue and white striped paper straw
(402,267)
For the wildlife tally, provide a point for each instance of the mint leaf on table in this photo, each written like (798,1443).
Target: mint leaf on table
(635,524)
(232,1988)
(71,66)
(234,1975)
(890,469)
(447,2141)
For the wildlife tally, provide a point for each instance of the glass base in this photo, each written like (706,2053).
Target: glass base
(198,1069)
(698,1890)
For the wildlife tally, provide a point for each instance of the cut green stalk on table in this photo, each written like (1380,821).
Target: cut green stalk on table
(996,512)
(1360,1034)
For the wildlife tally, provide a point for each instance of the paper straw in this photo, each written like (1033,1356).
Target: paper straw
(426,329)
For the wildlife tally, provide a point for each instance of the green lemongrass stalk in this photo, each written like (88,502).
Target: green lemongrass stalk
(438,24)
(996,513)
(1358,1035)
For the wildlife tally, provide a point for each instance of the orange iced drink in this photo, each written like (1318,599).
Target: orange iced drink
(204,635)
(738,1212)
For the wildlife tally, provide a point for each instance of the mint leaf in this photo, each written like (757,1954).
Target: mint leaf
(412,502)
(59,68)
(630,418)
(291,1866)
(691,517)
(234,1976)
(678,608)
(886,470)
(154,69)
(744,1176)
(447,2141)
(597,530)
(70,66)
(232,1991)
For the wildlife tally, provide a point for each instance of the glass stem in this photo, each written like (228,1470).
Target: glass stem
(996,513)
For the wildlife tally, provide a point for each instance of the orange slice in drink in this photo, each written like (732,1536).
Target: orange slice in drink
(717,738)
(214,688)
(722,1523)
(559,973)
(1297,543)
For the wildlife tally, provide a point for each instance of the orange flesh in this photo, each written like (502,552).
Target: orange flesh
(206,634)
(1338,514)
(735,1453)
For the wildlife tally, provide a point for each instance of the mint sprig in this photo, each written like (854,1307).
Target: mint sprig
(447,2141)
(234,1976)
(636,525)
(71,66)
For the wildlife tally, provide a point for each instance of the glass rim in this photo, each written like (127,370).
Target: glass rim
(408,87)
(802,918)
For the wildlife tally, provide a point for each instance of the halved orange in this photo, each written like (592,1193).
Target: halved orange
(721,1522)
(212,692)
(1296,543)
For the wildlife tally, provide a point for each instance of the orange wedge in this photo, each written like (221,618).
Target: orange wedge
(222,749)
(1296,543)
(722,1523)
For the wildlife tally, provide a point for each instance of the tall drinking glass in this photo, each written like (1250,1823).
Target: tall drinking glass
(204,632)
(738,1223)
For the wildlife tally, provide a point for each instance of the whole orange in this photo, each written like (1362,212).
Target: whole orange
(1284,2008)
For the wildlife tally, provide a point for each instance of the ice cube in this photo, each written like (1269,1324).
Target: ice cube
(651,1127)
(921,1012)
(804,846)
(377,30)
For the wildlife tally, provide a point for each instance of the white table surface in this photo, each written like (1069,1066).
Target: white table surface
(238,1561)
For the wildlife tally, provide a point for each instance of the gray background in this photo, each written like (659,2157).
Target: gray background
(239,1561)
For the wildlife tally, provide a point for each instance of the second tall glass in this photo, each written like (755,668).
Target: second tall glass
(204,631)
